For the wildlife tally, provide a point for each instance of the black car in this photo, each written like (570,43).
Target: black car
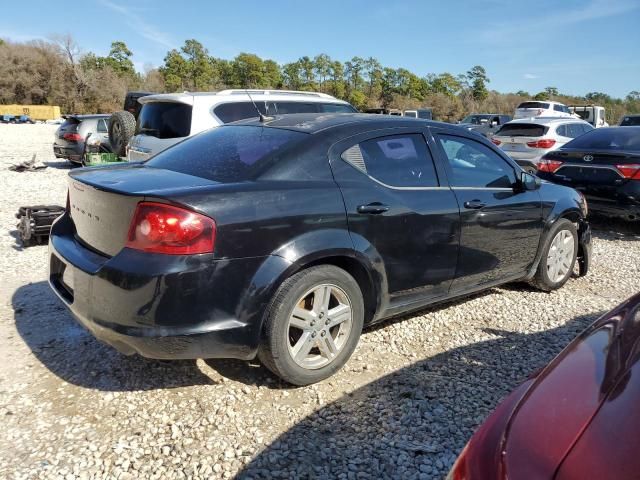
(604,164)
(630,121)
(485,124)
(281,238)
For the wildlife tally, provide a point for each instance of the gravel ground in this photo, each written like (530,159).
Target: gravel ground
(403,407)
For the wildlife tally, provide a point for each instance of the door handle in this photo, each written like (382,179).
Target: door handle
(474,204)
(372,209)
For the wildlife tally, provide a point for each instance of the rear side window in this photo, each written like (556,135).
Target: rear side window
(473,164)
(562,130)
(621,139)
(336,108)
(534,105)
(165,120)
(396,160)
(629,121)
(228,154)
(561,108)
(234,111)
(102,126)
(522,130)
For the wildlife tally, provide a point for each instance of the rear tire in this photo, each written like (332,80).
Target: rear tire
(122,126)
(558,256)
(312,325)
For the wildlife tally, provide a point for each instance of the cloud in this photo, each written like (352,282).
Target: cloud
(558,20)
(530,76)
(133,19)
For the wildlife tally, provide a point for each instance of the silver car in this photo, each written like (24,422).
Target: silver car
(75,131)
(526,140)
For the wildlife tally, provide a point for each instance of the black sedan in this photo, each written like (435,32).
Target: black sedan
(604,164)
(282,238)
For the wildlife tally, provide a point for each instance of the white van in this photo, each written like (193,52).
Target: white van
(166,119)
(541,109)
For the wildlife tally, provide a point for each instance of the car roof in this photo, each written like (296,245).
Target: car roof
(87,116)
(546,120)
(242,95)
(550,102)
(316,122)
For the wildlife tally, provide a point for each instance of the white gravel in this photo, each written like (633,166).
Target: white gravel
(403,407)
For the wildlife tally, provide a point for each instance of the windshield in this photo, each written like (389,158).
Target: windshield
(522,130)
(624,139)
(476,119)
(627,121)
(228,153)
(165,120)
(542,105)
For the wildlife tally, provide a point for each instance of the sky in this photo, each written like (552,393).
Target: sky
(575,46)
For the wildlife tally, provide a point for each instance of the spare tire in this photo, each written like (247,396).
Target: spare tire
(122,126)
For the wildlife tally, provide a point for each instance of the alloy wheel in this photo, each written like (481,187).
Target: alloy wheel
(319,326)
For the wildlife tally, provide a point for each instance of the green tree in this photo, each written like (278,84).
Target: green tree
(478,79)
(322,69)
(119,59)
(248,71)
(336,72)
(175,71)
(552,92)
(291,76)
(199,69)
(444,83)
(272,74)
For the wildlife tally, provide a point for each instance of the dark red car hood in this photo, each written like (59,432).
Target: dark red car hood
(580,418)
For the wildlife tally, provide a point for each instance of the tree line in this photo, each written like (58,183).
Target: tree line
(58,72)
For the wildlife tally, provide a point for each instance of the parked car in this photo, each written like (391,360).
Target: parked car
(122,124)
(603,164)
(283,238)
(7,119)
(592,114)
(486,124)
(630,120)
(24,119)
(541,109)
(576,418)
(528,139)
(166,119)
(423,113)
(75,130)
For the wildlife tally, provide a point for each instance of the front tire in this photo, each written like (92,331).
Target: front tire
(558,256)
(312,325)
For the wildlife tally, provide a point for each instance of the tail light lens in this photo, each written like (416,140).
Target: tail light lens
(161,228)
(495,141)
(542,143)
(631,171)
(549,165)
(72,137)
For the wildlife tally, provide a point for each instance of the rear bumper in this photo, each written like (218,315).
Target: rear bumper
(624,211)
(73,154)
(159,306)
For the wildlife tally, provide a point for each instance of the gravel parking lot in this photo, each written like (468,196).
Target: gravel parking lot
(403,407)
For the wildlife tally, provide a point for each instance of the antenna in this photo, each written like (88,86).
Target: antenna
(263,118)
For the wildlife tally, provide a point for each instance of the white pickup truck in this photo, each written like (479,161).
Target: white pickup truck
(592,114)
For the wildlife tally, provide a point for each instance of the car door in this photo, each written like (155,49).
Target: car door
(396,202)
(500,224)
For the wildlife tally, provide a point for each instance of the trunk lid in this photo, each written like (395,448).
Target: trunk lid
(594,168)
(102,200)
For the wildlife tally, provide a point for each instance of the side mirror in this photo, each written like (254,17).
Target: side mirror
(529,181)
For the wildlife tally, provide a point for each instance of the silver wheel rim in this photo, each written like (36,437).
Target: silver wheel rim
(319,326)
(560,256)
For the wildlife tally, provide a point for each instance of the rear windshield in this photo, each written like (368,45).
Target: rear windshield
(165,120)
(234,111)
(625,139)
(522,130)
(534,105)
(628,121)
(70,124)
(228,154)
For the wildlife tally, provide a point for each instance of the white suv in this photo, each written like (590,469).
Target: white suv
(542,109)
(166,119)
(528,139)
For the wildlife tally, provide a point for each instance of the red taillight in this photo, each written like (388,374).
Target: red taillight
(72,137)
(161,228)
(543,143)
(630,171)
(549,165)
(495,141)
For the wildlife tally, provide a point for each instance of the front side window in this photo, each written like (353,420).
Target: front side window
(396,160)
(473,164)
